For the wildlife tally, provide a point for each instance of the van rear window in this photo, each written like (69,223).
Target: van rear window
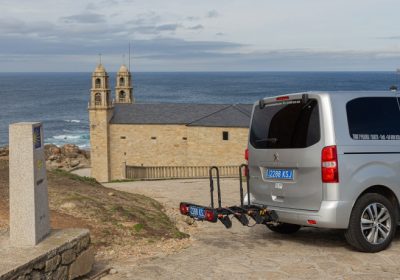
(374,118)
(285,125)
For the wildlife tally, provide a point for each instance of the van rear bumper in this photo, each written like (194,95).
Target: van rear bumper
(332,214)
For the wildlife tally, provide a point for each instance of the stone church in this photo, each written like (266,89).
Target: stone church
(167,140)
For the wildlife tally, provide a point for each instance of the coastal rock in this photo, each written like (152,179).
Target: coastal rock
(3,151)
(70,150)
(66,157)
(74,163)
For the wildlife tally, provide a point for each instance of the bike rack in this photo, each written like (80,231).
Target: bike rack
(258,213)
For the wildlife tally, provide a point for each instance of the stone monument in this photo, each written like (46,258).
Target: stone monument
(29,206)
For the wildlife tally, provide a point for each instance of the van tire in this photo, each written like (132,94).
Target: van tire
(284,228)
(358,238)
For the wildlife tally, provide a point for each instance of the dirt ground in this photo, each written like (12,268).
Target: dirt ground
(248,253)
(120,223)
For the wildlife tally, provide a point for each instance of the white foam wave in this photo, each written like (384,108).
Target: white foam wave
(73,121)
(67,137)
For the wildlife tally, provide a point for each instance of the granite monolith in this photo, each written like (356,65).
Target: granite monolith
(29,206)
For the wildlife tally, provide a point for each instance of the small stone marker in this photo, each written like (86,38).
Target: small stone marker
(29,205)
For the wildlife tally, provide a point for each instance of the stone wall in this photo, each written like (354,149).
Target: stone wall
(173,145)
(99,143)
(66,254)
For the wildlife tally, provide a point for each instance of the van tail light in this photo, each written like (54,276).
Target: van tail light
(246,157)
(329,165)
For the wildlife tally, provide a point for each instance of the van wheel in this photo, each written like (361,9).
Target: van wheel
(372,223)
(284,228)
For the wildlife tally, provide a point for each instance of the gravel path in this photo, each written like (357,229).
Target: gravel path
(250,253)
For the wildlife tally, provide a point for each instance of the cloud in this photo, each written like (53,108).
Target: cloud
(149,18)
(220,34)
(192,18)
(196,27)
(168,27)
(389,38)
(85,18)
(212,14)
(168,54)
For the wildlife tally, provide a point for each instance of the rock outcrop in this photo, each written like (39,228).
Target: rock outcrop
(66,157)
(4,151)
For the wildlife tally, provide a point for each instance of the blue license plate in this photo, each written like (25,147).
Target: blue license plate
(197,212)
(283,174)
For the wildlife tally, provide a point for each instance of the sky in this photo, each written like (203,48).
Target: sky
(206,35)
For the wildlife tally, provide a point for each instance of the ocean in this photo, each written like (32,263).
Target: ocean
(60,100)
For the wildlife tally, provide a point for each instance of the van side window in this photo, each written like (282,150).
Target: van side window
(286,125)
(373,118)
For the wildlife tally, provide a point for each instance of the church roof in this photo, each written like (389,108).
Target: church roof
(209,115)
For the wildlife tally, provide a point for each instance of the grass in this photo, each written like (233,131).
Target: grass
(84,179)
(138,227)
(123,181)
(120,218)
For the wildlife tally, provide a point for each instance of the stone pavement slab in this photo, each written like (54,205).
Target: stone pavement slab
(250,253)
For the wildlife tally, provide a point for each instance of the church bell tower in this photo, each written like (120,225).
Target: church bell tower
(123,88)
(101,110)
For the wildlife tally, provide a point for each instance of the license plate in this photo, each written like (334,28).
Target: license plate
(283,174)
(197,212)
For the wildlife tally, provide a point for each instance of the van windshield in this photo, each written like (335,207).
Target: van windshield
(285,125)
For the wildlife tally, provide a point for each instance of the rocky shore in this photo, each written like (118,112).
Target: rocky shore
(67,157)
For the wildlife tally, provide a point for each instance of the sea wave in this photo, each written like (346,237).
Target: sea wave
(81,140)
(73,121)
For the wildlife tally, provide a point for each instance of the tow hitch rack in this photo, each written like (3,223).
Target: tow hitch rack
(243,213)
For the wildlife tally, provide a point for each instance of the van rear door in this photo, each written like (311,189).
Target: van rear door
(285,153)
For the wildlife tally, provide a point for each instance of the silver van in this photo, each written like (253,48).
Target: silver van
(329,160)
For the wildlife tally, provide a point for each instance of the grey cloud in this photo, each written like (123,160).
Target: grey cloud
(179,55)
(150,18)
(17,28)
(91,6)
(168,27)
(212,14)
(192,18)
(154,29)
(160,47)
(220,34)
(115,2)
(389,38)
(278,60)
(196,27)
(85,18)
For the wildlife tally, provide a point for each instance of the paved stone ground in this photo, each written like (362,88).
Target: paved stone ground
(250,253)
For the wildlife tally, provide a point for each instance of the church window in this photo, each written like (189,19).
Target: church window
(122,96)
(121,82)
(97,83)
(225,135)
(97,99)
